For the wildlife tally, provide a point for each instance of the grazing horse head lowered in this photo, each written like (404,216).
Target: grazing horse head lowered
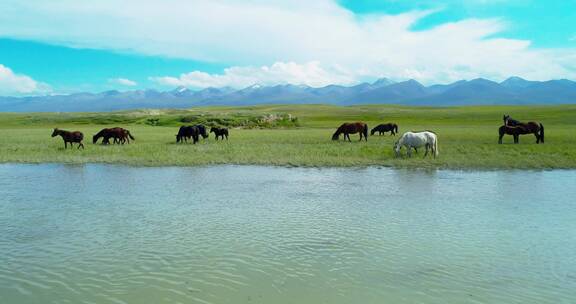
(410,140)
(351,128)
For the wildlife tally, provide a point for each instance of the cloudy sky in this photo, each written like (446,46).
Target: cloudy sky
(65,46)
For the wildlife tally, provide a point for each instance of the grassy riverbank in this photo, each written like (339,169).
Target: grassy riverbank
(267,135)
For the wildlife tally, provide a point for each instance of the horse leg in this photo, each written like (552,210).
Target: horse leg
(80,144)
(426,153)
(537,137)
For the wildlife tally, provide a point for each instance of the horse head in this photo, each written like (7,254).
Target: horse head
(55,132)
(505,118)
(396,148)
(336,136)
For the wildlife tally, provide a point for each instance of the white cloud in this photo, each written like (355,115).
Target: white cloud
(259,33)
(123,81)
(311,74)
(17,84)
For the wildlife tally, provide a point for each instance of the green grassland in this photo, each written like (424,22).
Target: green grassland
(298,135)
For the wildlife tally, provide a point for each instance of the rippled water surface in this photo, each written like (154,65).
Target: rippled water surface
(228,234)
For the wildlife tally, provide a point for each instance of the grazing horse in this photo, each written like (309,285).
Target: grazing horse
(383,128)
(186,132)
(219,132)
(70,137)
(120,135)
(521,129)
(351,128)
(530,127)
(202,131)
(414,140)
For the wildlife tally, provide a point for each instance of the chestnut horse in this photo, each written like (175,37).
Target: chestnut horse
(70,137)
(352,128)
(120,135)
(521,129)
(383,128)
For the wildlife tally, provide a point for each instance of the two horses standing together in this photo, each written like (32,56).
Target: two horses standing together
(516,128)
(194,132)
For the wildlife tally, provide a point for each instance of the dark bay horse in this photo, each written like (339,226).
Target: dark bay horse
(351,128)
(383,128)
(186,132)
(530,127)
(70,137)
(527,128)
(219,132)
(120,135)
(126,136)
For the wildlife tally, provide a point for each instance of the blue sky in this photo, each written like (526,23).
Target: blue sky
(73,46)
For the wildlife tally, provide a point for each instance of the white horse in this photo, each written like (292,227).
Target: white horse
(416,140)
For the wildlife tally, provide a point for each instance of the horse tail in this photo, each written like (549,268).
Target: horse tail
(395,128)
(436,146)
(130,135)
(541,133)
(366,132)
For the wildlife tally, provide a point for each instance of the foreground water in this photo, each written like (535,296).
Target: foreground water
(228,234)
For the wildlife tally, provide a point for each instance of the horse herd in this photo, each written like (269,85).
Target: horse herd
(123,136)
(410,140)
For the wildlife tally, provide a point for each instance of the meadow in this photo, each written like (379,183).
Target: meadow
(297,135)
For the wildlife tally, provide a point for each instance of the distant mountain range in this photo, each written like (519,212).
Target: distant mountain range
(512,91)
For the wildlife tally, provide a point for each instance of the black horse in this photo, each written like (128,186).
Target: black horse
(202,131)
(383,128)
(186,132)
(509,121)
(219,132)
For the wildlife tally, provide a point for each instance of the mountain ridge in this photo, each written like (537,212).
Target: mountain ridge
(480,91)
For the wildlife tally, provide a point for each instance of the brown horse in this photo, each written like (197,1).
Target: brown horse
(120,135)
(383,128)
(126,136)
(70,137)
(351,128)
(521,129)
